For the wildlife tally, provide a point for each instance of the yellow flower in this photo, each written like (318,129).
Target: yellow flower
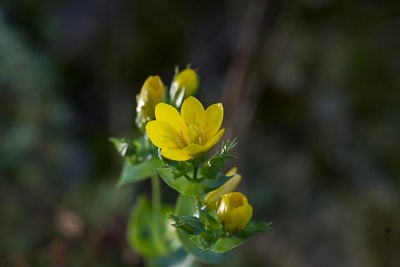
(184,85)
(151,94)
(234,212)
(181,136)
(213,199)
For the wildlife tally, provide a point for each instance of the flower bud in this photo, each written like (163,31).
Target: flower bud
(213,198)
(185,84)
(234,211)
(151,94)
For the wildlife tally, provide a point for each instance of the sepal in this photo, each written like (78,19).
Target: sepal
(191,225)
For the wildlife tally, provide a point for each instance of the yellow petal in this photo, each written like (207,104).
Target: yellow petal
(238,218)
(188,79)
(232,171)
(213,120)
(234,211)
(170,115)
(211,142)
(154,83)
(162,134)
(214,197)
(175,154)
(193,149)
(193,111)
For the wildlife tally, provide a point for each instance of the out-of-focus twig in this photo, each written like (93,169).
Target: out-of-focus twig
(244,50)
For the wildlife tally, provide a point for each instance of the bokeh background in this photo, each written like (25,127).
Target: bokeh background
(310,89)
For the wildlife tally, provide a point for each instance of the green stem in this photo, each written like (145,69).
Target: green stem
(156,197)
(195,170)
(157,213)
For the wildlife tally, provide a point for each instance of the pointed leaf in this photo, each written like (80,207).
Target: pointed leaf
(184,206)
(126,148)
(225,244)
(191,187)
(138,172)
(148,236)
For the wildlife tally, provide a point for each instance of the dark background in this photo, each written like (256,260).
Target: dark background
(310,89)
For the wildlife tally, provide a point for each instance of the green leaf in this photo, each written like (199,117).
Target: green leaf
(206,256)
(184,206)
(217,162)
(255,227)
(189,224)
(126,148)
(138,172)
(213,230)
(178,258)
(225,244)
(191,187)
(147,235)
(134,151)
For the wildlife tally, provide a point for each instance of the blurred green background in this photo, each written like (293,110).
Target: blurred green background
(310,89)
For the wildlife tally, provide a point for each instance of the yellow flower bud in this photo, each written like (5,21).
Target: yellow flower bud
(185,84)
(234,212)
(151,94)
(213,198)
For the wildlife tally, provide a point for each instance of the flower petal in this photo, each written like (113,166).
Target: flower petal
(170,115)
(213,120)
(162,134)
(193,111)
(234,211)
(193,149)
(211,142)
(175,154)
(238,218)
(232,171)
(213,198)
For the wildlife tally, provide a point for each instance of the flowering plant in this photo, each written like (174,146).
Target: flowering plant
(209,219)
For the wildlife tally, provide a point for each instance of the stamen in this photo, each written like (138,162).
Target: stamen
(181,140)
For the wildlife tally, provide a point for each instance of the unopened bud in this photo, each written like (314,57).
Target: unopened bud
(151,94)
(185,84)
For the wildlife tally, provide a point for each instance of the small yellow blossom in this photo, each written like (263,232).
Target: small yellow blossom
(151,94)
(234,212)
(213,198)
(184,85)
(181,136)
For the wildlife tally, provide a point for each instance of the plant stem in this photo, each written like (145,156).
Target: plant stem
(157,213)
(195,170)
(156,197)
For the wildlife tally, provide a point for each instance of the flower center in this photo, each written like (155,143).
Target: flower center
(235,201)
(195,134)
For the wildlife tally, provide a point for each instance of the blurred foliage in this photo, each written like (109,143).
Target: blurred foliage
(320,101)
